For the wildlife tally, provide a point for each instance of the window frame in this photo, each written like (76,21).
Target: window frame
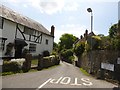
(47,42)
(32,47)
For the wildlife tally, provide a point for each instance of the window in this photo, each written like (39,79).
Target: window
(32,47)
(2,43)
(1,23)
(46,41)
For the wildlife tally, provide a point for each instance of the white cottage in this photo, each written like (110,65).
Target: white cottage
(18,32)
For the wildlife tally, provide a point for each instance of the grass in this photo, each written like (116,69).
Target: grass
(34,62)
(84,71)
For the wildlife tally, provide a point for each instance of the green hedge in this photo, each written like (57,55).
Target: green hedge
(67,55)
(50,61)
(11,67)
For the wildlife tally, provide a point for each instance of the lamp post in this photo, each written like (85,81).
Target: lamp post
(90,11)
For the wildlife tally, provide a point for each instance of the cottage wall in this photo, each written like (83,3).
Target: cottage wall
(11,32)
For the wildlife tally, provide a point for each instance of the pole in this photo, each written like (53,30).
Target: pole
(91,21)
(91,42)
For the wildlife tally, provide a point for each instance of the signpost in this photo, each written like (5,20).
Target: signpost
(107,66)
(118,61)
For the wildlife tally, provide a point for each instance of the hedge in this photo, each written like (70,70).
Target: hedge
(11,67)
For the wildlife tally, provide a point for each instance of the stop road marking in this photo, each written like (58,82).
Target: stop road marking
(68,81)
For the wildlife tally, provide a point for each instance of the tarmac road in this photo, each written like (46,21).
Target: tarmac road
(63,76)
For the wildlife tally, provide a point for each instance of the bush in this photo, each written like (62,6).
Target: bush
(116,43)
(79,49)
(54,53)
(66,55)
(11,67)
(50,61)
(46,53)
(25,51)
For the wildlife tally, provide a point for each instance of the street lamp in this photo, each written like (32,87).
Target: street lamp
(90,11)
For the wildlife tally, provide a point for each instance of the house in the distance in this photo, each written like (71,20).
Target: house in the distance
(18,32)
(83,38)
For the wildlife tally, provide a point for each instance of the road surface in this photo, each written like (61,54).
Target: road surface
(63,76)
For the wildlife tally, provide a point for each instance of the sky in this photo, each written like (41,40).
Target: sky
(68,16)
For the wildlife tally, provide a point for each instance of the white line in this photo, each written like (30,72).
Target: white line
(68,81)
(44,84)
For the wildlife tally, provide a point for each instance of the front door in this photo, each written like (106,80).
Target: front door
(18,51)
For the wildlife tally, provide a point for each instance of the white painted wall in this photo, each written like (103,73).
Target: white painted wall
(9,30)
(9,33)
(42,47)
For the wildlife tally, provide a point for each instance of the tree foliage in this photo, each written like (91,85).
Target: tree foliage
(93,42)
(113,30)
(66,41)
(114,38)
(79,49)
(67,55)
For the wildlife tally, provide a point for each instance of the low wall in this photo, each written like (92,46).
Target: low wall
(91,61)
(45,62)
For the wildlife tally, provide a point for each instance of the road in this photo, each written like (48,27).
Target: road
(63,76)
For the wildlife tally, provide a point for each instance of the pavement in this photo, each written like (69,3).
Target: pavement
(63,76)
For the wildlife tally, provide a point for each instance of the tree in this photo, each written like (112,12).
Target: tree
(66,41)
(113,30)
(100,35)
(114,38)
(55,46)
(67,55)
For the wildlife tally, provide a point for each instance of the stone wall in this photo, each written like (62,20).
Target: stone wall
(91,61)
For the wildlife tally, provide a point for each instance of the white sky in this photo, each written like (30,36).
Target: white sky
(69,16)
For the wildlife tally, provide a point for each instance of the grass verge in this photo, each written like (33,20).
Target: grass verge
(84,71)
(34,62)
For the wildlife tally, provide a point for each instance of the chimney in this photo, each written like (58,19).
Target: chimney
(52,30)
(86,32)
(81,37)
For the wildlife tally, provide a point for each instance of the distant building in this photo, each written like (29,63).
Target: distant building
(83,38)
(18,32)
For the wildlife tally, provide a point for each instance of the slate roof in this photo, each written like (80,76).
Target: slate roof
(9,14)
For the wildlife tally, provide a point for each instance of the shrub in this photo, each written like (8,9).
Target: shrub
(46,53)
(25,51)
(79,49)
(50,61)
(11,67)
(66,54)
(54,53)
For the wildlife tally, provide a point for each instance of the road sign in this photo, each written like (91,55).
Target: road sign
(107,66)
(118,61)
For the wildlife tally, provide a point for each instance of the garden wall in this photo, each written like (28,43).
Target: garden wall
(92,61)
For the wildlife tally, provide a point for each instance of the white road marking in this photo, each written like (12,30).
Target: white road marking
(87,82)
(68,81)
(44,84)
(53,80)
(76,82)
